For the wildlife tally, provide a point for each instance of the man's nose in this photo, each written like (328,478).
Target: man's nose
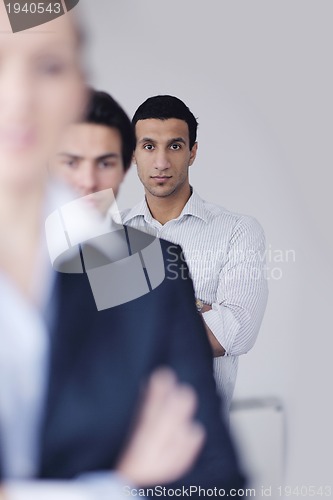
(20,91)
(161,161)
(87,179)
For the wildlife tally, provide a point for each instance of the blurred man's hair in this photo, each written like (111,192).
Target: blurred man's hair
(104,110)
(164,107)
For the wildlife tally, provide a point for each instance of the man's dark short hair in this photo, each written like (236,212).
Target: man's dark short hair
(104,110)
(163,107)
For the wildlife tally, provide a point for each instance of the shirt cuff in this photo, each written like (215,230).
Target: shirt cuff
(94,486)
(223,326)
(45,490)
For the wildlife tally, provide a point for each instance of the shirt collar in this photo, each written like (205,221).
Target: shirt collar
(140,209)
(195,207)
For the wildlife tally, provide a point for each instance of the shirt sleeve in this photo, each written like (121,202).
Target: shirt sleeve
(95,486)
(242,292)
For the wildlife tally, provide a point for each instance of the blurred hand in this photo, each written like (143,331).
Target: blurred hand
(205,308)
(166,440)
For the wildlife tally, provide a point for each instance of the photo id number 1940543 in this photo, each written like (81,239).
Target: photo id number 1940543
(301,491)
(34,8)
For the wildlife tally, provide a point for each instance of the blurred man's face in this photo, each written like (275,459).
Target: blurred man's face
(41,92)
(89,158)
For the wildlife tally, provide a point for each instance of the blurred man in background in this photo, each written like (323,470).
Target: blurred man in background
(94,155)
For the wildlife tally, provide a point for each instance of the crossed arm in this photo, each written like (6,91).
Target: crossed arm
(217,348)
(165,426)
(232,322)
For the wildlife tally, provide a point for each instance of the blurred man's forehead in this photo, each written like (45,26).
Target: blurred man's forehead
(4,21)
(83,138)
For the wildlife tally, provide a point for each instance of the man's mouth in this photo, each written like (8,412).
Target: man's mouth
(161,177)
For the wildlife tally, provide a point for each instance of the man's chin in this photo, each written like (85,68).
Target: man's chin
(161,192)
(99,203)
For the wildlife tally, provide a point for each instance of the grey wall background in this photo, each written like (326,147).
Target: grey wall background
(258,75)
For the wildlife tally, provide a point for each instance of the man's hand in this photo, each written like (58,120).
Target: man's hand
(218,350)
(166,440)
(205,308)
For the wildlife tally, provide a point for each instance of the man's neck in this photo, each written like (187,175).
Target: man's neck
(164,209)
(21,212)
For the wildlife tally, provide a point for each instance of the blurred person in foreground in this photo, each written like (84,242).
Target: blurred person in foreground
(71,375)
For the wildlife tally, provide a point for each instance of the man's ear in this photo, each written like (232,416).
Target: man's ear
(193,153)
(134,159)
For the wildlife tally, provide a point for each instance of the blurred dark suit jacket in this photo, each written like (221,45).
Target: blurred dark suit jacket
(99,362)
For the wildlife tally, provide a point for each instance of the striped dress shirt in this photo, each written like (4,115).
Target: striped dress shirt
(225,253)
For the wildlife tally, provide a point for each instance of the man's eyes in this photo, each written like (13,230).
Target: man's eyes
(74,163)
(70,162)
(51,66)
(174,147)
(107,164)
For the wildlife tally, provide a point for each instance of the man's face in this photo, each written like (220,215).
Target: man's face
(41,92)
(163,156)
(89,158)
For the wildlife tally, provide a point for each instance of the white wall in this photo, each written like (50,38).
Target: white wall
(258,74)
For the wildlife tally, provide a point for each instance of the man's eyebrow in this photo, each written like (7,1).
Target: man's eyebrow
(106,156)
(146,139)
(177,139)
(98,158)
(70,155)
(170,141)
